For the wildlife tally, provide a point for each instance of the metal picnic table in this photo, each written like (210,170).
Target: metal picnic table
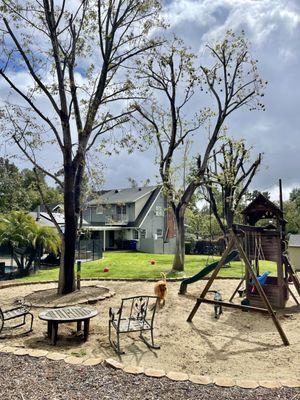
(56,316)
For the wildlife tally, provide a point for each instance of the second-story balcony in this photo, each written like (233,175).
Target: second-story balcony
(116,219)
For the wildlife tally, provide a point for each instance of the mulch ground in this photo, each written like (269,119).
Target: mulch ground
(27,378)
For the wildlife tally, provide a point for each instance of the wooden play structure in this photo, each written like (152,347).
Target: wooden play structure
(262,237)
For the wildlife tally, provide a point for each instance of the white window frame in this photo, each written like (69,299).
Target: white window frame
(159,210)
(121,210)
(99,209)
(159,235)
(143,233)
(135,234)
(92,210)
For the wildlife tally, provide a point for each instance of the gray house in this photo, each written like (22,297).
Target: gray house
(294,251)
(134,218)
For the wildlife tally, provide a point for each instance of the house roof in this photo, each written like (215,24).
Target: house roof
(294,241)
(119,196)
(145,210)
(44,219)
(53,207)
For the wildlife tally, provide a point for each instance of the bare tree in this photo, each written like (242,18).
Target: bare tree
(229,175)
(75,56)
(232,81)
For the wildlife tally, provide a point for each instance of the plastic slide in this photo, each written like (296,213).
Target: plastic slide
(205,271)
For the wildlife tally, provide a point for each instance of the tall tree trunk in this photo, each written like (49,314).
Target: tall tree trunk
(61,277)
(229,219)
(67,274)
(178,263)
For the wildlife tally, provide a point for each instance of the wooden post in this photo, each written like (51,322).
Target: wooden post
(236,290)
(280,195)
(78,274)
(210,281)
(261,291)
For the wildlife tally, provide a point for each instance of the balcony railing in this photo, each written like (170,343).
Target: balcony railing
(116,219)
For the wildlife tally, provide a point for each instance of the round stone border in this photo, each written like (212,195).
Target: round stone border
(221,381)
(9,284)
(91,300)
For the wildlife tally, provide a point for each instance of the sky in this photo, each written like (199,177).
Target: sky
(273,28)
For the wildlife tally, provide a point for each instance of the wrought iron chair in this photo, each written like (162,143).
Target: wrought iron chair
(135,315)
(22,310)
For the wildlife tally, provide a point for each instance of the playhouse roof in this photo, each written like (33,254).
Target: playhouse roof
(261,208)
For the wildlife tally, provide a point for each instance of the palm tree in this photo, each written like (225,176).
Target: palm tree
(27,239)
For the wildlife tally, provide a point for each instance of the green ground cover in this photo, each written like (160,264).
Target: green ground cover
(126,264)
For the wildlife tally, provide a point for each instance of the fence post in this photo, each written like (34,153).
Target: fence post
(78,274)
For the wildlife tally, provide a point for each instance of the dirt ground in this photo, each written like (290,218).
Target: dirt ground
(239,345)
(50,297)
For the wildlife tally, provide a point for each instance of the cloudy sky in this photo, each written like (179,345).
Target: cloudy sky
(273,28)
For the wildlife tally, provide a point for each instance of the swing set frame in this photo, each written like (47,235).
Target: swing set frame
(235,242)
(254,243)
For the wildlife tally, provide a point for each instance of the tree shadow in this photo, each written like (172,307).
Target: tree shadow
(224,352)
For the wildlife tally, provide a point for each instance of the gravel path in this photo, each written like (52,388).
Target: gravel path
(26,378)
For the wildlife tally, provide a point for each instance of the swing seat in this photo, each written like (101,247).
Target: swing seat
(261,279)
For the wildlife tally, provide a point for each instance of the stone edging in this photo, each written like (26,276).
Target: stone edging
(13,284)
(175,376)
(91,300)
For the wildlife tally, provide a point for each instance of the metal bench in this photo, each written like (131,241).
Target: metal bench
(134,315)
(22,310)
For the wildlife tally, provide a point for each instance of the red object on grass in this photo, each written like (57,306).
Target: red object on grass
(152,262)
(106,269)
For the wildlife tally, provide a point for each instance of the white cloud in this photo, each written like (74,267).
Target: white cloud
(273,27)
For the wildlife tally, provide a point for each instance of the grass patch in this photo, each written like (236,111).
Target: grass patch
(128,264)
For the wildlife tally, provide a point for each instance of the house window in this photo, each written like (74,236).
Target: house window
(159,232)
(143,233)
(99,209)
(121,210)
(135,234)
(159,211)
(92,212)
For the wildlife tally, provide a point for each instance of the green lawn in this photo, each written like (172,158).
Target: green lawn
(126,264)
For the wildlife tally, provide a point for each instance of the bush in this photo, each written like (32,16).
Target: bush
(190,248)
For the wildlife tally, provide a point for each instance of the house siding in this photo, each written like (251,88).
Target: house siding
(152,221)
(109,214)
(147,213)
(157,246)
(294,255)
